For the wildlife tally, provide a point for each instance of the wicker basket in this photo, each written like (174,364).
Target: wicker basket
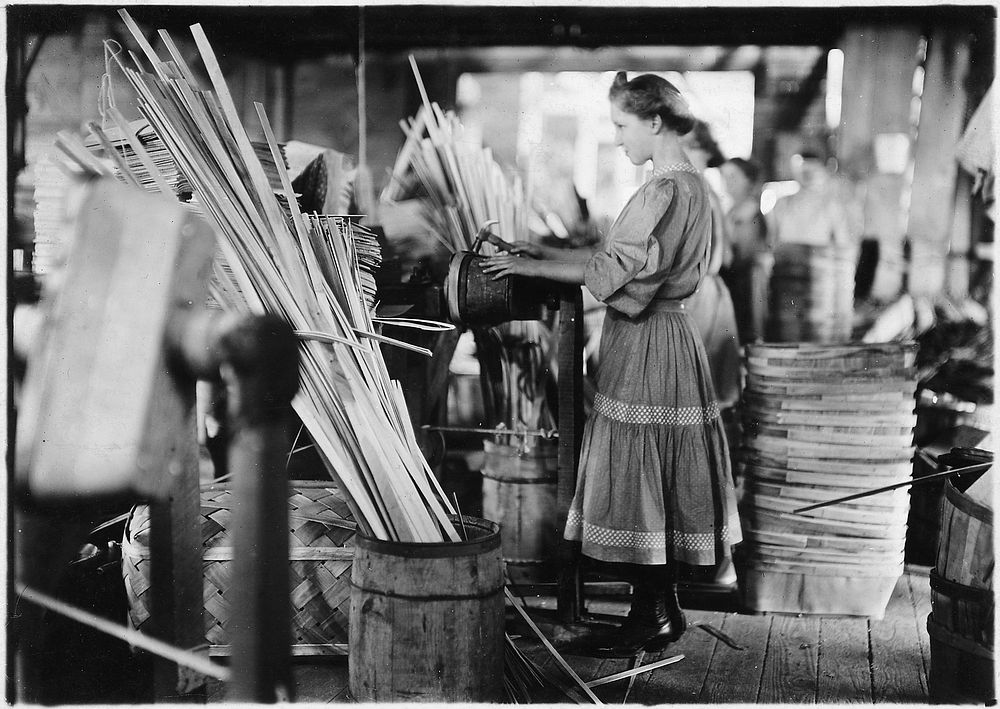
(320,555)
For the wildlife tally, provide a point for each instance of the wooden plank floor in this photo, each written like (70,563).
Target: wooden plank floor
(784,659)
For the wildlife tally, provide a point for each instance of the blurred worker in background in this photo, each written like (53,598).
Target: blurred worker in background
(749,271)
(815,215)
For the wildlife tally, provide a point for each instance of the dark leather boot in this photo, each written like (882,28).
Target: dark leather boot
(654,621)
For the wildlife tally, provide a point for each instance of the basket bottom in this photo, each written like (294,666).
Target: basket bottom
(768,591)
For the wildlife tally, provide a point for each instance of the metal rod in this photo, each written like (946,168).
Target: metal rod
(501,431)
(887,488)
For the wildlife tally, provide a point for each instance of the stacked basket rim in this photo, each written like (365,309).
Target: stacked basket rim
(823,422)
(812,292)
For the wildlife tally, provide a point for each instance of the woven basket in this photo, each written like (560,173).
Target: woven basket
(320,555)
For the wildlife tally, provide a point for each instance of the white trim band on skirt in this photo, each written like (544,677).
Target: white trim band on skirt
(660,415)
(578,528)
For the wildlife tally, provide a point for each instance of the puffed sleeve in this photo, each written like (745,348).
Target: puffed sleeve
(636,260)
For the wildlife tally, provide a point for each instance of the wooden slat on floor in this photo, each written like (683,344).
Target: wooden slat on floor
(683,681)
(844,672)
(791,663)
(735,675)
(897,672)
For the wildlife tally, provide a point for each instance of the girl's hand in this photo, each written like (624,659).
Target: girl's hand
(503,265)
(527,248)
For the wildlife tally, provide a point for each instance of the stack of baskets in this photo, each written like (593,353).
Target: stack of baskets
(321,550)
(822,422)
(812,293)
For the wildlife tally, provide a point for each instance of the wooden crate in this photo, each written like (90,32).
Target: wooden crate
(321,549)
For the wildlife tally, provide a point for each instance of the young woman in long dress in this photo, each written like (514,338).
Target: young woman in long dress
(654,483)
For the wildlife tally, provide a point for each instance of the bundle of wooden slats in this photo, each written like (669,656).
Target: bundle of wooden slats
(305,270)
(105,141)
(822,422)
(812,294)
(365,251)
(462,184)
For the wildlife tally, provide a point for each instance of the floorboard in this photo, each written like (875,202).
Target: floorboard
(681,682)
(897,673)
(791,663)
(844,671)
(921,595)
(321,680)
(786,659)
(735,675)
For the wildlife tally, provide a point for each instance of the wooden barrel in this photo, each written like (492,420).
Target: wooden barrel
(519,492)
(926,499)
(965,540)
(475,299)
(962,607)
(427,620)
(961,670)
(963,610)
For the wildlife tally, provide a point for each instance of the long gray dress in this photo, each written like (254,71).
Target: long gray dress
(655,480)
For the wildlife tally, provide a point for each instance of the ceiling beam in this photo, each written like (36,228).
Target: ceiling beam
(285,32)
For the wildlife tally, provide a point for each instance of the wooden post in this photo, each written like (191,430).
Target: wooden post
(260,369)
(175,570)
(960,245)
(570,592)
(942,109)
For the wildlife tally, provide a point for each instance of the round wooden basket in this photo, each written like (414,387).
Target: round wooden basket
(821,422)
(321,549)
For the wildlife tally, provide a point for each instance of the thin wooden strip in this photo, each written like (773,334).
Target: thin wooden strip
(184,658)
(140,151)
(552,651)
(258,177)
(175,54)
(114,155)
(144,45)
(626,674)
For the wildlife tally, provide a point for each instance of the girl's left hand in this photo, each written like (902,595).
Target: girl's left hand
(503,265)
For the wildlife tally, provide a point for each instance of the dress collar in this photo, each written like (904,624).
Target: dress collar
(675,167)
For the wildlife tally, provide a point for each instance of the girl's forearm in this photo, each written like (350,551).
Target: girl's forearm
(563,271)
(577,255)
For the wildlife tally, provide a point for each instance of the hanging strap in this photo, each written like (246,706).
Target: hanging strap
(106,97)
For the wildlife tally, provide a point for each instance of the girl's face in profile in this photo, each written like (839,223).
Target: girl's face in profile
(633,134)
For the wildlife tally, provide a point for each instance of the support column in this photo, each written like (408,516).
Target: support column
(879,64)
(942,109)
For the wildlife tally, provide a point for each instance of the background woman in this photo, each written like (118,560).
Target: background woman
(712,306)
(750,270)
(655,485)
